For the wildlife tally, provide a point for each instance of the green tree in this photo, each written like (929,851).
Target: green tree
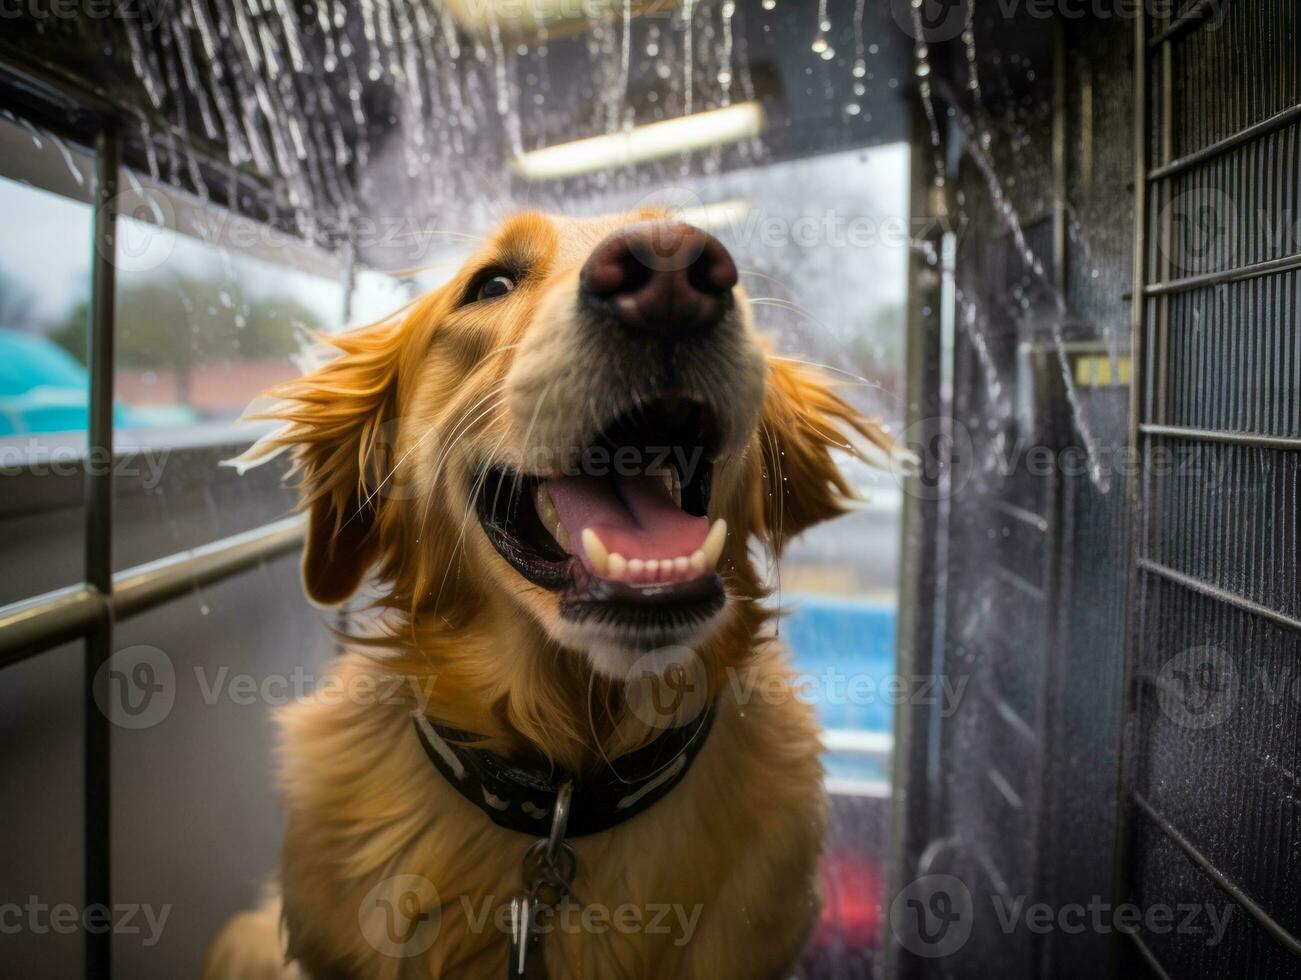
(176,324)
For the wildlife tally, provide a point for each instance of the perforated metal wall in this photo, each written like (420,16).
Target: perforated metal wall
(1211,786)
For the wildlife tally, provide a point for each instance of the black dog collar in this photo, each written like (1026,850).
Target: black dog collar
(521,799)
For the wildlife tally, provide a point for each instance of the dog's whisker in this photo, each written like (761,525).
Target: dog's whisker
(774,566)
(778,303)
(528,433)
(858,379)
(380,486)
(459,430)
(462,427)
(475,489)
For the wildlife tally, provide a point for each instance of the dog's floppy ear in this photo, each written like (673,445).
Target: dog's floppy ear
(803,421)
(334,421)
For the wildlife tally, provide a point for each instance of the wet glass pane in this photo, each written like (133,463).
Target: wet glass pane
(213,309)
(45,263)
(223,659)
(41,778)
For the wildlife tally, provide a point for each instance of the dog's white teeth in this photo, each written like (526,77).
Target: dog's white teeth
(649,571)
(596,553)
(550,518)
(713,546)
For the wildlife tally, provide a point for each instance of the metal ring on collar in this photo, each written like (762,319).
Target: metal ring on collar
(559,819)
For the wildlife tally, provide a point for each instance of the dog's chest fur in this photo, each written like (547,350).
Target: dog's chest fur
(726,860)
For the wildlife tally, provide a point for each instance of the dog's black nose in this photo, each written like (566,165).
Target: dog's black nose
(663,277)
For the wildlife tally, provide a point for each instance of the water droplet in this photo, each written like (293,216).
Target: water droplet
(819,44)
(769,4)
(860,68)
(853,108)
(828,54)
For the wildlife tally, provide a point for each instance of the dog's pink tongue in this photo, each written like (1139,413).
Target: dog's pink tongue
(634,516)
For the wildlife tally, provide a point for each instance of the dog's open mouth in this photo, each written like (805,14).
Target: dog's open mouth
(623,531)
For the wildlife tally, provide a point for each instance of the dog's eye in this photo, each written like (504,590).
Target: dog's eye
(494,287)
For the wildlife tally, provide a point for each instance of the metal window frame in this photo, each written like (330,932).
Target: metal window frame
(90,610)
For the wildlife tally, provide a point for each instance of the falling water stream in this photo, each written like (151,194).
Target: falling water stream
(293,94)
(970,318)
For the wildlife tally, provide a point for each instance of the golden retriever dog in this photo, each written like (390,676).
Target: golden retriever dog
(564,472)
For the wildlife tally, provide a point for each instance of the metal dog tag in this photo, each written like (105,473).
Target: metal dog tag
(525,948)
(549,869)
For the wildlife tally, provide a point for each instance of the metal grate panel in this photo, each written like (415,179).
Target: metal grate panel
(1230,367)
(1226,775)
(1228,516)
(1212,758)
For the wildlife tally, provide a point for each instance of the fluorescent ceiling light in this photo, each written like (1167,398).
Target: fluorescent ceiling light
(523,18)
(716,127)
(713,217)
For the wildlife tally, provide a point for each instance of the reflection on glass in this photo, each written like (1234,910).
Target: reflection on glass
(44,284)
(203,329)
